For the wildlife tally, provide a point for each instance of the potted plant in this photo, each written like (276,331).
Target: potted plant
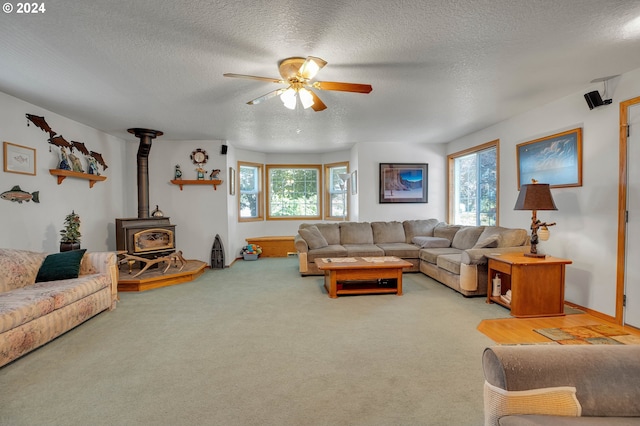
(70,233)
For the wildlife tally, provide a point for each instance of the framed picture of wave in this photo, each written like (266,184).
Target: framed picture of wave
(404,182)
(555,159)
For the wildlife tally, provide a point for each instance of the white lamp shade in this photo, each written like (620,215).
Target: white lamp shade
(288,98)
(306,98)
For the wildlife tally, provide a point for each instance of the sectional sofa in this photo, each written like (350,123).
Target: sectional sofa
(451,254)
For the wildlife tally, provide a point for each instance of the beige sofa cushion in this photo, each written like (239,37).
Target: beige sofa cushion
(431,254)
(418,228)
(313,237)
(330,231)
(466,237)
(387,232)
(356,233)
(401,250)
(19,268)
(431,242)
(333,250)
(363,250)
(497,236)
(444,230)
(450,262)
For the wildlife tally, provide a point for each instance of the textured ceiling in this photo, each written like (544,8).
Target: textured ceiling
(439,69)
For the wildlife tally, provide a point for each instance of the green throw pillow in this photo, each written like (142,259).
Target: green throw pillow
(60,266)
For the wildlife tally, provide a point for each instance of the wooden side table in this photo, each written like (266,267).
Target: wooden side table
(536,284)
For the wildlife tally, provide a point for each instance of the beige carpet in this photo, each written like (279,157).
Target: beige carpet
(256,344)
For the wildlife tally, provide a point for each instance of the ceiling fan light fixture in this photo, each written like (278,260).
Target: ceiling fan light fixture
(306,98)
(309,69)
(288,98)
(298,72)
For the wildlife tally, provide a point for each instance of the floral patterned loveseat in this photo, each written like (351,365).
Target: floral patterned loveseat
(34,313)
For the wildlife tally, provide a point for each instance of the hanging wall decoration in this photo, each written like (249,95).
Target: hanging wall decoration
(17,195)
(555,159)
(403,183)
(67,158)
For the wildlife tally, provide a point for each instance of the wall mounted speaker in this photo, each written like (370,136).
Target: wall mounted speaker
(223,149)
(593,99)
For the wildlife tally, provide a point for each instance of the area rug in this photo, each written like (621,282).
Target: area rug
(597,334)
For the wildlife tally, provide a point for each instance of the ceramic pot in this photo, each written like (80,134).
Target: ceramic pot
(69,246)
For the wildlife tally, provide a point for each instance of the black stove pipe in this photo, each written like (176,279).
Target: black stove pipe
(145,136)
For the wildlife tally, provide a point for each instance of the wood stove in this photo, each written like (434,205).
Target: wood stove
(146,237)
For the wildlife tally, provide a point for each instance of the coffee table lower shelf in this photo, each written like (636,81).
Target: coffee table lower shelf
(362,276)
(363,287)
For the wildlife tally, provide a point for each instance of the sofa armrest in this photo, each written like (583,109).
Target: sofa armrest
(103,263)
(300,244)
(477,256)
(605,376)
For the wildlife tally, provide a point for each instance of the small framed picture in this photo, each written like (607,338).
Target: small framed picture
(19,159)
(404,183)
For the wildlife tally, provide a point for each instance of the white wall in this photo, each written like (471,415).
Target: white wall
(198,211)
(32,226)
(586,230)
(369,157)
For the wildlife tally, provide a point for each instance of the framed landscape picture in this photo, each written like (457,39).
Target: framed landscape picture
(19,159)
(555,159)
(404,182)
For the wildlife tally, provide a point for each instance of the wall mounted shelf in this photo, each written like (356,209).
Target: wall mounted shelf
(181,182)
(62,174)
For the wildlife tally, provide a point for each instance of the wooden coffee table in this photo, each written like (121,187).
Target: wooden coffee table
(362,275)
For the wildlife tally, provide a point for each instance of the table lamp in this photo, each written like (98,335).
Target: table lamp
(535,196)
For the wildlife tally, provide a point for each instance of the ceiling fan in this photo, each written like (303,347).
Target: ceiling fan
(297,73)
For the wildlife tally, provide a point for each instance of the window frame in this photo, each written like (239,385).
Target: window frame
(317,167)
(239,191)
(327,191)
(451,176)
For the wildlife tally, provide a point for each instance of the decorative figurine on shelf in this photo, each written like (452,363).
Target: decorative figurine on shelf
(215,174)
(93,166)
(64,160)
(177,174)
(76,165)
(99,159)
(201,172)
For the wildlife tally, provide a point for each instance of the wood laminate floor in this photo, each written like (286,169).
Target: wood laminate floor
(520,330)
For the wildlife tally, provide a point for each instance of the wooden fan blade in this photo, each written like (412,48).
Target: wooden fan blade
(254,77)
(343,87)
(311,66)
(318,105)
(269,95)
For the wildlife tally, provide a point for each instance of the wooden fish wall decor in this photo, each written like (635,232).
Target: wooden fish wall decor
(16,194)
(61,142)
